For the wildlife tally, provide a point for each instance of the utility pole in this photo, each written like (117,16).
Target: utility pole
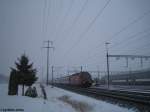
(98,74)
(48,47)
(107,56)
(52,75)
(81,68)
(68,72)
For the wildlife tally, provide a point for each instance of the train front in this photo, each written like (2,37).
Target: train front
(86,79)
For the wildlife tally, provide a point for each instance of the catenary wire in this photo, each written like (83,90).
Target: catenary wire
(70,29)
(123,29)
(44,16)
(126,27)
(88,28)
(63,21)
(130,38)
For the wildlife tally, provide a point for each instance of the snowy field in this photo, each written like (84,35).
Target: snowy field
(58,100)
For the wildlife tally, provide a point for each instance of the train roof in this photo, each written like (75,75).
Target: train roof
(82,73)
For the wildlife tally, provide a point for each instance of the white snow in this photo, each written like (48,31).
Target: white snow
(54,102)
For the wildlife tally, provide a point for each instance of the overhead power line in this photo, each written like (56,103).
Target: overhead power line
(134,51)
(63,20)
(141,48)
(123,29)
(88,28)
(47,17)
(57,17)
(70,29)
(131,37)
(44,14)
(127,26)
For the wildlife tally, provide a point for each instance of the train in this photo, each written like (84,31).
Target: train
(134,78)
(81,79)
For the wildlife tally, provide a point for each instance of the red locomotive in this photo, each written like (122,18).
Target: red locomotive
(81,79)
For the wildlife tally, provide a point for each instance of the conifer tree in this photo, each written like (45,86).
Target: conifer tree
(26,72)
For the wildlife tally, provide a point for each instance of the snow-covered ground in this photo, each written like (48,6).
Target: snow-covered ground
(58,100)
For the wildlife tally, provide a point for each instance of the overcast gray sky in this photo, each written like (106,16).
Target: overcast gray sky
(78,32)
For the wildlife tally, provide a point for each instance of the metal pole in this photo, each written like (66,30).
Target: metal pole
(98,75)
(52,75)
(68,72)
(107,56)
(141,60)
(48,47)
(47,60)
(81,68)
(127,63)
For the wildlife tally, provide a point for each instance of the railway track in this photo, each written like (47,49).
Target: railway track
(142,98)
(124,95)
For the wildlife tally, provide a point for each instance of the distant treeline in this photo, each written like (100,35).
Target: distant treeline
(3,79)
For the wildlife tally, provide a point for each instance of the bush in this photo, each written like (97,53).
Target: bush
(31,92)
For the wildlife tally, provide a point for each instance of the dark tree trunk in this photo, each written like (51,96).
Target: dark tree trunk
(17,90)
(23,90)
